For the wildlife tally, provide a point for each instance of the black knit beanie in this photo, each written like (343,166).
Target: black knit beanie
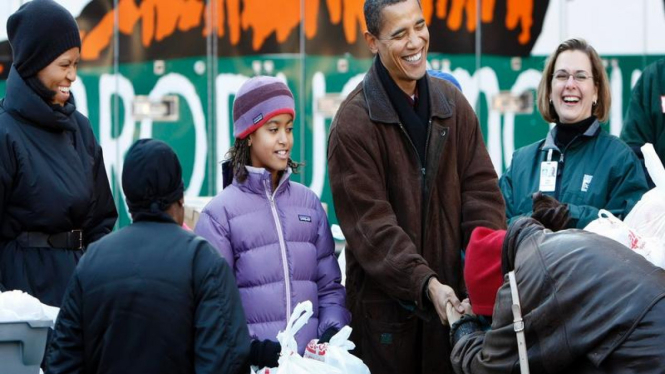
(39,32)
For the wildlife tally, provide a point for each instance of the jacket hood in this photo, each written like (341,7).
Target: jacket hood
(21,100)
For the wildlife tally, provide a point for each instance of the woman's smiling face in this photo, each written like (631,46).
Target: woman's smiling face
(59,75)
(574,90)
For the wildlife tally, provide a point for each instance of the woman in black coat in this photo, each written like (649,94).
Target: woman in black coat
(55,197)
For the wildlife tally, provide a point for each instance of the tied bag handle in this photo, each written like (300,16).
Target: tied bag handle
(299,318)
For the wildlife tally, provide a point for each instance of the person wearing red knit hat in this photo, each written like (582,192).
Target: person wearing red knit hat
(482,269)
(588,304)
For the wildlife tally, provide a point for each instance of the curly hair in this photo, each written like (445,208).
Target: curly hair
(240,156)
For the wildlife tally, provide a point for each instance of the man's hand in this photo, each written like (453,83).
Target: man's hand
(452,315)
(466,304)
(441,295)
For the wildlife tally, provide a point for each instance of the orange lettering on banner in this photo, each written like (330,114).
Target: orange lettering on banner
(350,13)
(312,16)
(266,17)
(520,11)
(161,19)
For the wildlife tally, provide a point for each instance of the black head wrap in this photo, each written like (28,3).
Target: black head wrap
(520,229)
(151,179)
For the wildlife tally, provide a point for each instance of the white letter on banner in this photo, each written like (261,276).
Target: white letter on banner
(114,149)
(227,85)
(527,80)
(177,84)
(485,81)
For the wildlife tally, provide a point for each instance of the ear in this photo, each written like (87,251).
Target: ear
(181,202)
(249,139)
(371,42)
(595,94)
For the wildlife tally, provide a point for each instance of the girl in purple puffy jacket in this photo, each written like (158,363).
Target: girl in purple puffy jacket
(273,232)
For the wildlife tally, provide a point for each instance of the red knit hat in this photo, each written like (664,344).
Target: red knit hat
(482,268)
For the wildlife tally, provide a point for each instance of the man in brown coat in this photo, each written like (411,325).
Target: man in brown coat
(411,179)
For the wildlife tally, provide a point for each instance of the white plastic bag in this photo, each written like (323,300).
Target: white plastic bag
(290,362)
(654,165)
(18,306)
(648,215)
(609,226)
(336,353)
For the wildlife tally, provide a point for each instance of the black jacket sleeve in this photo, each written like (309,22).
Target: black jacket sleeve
(221,337)
(7,171)
(65,353)
(103,214)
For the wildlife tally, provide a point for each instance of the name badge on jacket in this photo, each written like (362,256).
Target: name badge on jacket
(548,176)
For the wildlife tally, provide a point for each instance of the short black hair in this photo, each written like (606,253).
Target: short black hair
(372,10)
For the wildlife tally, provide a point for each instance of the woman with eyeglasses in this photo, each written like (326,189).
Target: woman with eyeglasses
(564,179)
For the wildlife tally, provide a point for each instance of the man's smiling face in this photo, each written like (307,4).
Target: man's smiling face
(402,43)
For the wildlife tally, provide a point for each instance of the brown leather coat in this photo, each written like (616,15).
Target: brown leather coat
(405,222)
(589,304)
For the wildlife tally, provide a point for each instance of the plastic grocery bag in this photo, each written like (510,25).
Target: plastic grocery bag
(648,215)
(336,353)
(290,362)
(611,227)
(654,165)
(18,306)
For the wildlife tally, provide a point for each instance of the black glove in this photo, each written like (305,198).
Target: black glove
(264,353)
(555,219)
(329,333)
(550,212)
(541,201)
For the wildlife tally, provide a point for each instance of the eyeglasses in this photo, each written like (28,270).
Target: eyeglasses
(579,77)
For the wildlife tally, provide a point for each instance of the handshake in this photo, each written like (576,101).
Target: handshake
(452,313)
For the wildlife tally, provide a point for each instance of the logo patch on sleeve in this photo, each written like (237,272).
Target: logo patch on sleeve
(258,118)
(304,218)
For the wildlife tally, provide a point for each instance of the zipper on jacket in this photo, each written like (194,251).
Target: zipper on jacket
(424,194)
(559,173)
(423,171)
(282,246)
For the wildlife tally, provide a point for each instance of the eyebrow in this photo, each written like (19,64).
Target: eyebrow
(399,31)
(576,71)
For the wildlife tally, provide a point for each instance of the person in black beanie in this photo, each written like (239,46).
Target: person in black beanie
(168,287)
(55,197)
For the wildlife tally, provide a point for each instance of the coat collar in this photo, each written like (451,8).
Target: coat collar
(259,181)
(592,131)
(380,108)
(21,100)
